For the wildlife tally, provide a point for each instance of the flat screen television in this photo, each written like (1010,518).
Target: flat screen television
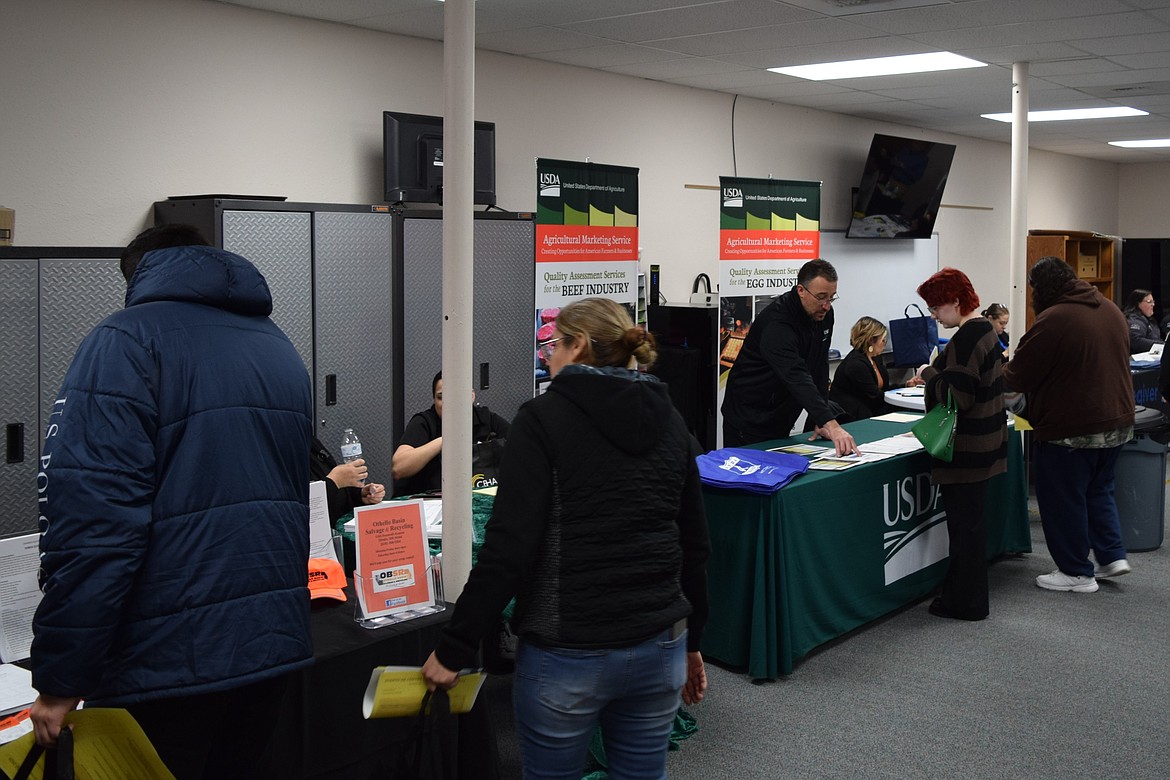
(901,188)
(413,157)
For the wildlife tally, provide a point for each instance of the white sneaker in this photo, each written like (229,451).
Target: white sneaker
(1113,569)
(1058,580)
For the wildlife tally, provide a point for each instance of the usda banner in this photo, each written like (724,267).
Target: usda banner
(586,233)
(767,230)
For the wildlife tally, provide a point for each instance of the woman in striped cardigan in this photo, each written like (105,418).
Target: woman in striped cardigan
(970,368)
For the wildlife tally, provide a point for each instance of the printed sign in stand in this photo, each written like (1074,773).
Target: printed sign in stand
(396,578)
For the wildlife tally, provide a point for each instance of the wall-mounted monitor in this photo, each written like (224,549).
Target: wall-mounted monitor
(901,188)
(413,157)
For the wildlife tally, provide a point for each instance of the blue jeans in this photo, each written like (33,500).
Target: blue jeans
(1074,490)
(560,696)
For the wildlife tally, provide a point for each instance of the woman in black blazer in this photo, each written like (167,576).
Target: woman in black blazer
(861,380)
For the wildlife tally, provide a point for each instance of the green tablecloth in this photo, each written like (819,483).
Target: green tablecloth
(832,551)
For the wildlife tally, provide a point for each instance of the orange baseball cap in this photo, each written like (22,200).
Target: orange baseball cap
(326,579)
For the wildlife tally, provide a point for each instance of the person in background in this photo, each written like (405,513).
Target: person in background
(175,528)
(1072,368)
(417,464)
(345,483)
(1143,327)
(783,367)
(970,370)
(599,531)
(861,379)
(997,314)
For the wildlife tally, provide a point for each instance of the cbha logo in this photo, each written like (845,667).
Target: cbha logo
(550,185)
(479,481)
(732,197)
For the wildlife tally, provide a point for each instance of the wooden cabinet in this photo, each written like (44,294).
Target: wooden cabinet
(1093,257)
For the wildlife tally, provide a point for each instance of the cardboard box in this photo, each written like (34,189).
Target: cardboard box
(1087,267)
(7,226)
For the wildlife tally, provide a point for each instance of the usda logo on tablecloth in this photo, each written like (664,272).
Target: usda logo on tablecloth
(917,535)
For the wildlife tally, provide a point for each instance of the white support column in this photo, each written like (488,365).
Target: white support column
(458,293)
(1018,246)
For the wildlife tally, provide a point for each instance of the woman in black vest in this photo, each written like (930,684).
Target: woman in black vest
(598,530)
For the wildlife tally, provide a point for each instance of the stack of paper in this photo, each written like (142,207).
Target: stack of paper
(16,691)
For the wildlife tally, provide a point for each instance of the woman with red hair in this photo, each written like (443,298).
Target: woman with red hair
(970,370)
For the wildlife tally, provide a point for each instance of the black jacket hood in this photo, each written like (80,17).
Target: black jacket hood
(629,408)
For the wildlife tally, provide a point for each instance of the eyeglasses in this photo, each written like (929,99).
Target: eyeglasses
(822,298)
(547,347)
(934,309)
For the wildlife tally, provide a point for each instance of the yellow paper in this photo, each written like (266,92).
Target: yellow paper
(108,744)
(1022,424)
(397,691)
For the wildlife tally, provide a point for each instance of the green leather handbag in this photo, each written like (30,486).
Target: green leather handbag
(936,430)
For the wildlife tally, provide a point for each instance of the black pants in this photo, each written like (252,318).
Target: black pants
(964,591)
(218,735)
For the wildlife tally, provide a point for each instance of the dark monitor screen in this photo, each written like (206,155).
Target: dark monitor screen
(901,188)
(413,157)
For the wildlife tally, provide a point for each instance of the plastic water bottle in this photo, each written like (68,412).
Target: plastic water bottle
(351,447)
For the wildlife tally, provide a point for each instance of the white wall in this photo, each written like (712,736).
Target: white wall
(110,105)
(1144,201)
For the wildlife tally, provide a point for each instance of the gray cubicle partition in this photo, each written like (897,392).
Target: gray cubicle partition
(504,300)
(50,298)
(358,289)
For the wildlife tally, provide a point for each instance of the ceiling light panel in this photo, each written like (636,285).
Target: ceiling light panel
(881,66)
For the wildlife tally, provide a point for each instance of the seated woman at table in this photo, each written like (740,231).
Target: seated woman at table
(417,463)
(1143,328)
(970,371)
(997,314)
(609,612)
(861,379)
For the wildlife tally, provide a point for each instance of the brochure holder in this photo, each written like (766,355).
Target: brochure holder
(434,571)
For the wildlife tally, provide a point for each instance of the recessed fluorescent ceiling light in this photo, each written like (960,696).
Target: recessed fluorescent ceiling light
(1148,144)
(881,66)
(1062,115)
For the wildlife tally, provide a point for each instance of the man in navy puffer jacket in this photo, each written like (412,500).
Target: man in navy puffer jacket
(174,513)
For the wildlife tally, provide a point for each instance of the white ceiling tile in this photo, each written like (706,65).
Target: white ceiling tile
(1044,70)
(866,48)
(693,20)
(1033,53)
(1113,78)
(1126,44)
(607,56)
(561,12)
(1069,30)
(675,69)
(1148,61)
(532,40)
(776,37)
(985,13)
